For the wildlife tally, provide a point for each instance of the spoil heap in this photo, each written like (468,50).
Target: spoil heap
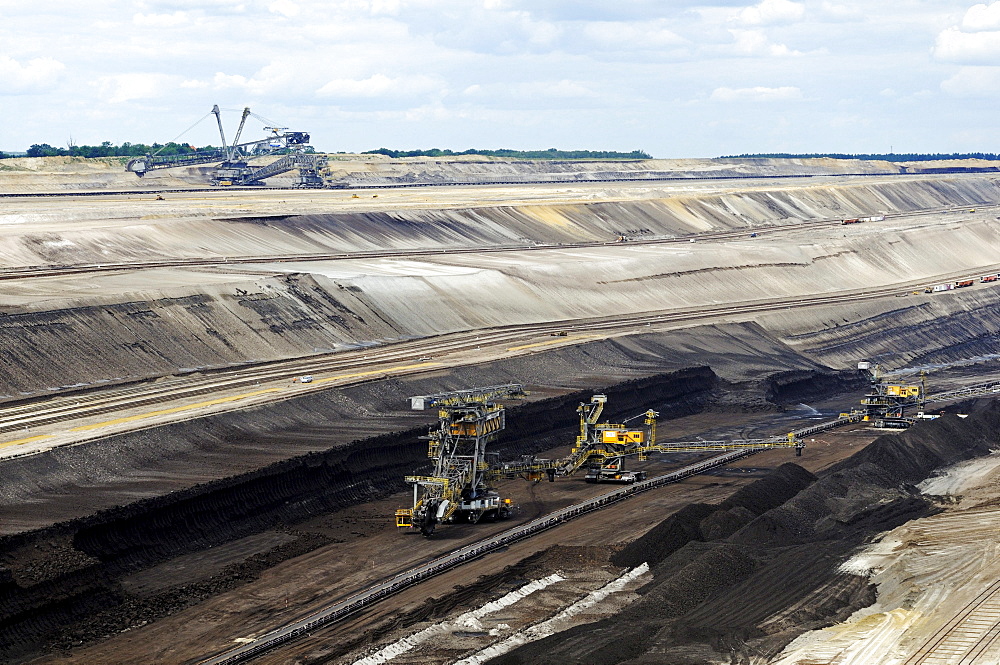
(741,579)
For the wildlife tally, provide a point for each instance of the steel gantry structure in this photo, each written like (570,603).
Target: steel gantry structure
(460,487)
(234,158)
(978,390)
(603,447)
(886,401)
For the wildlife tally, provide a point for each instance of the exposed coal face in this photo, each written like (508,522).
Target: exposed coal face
(804,385)
(742,579)
(64,583)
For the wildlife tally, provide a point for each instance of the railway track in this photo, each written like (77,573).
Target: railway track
(971,637)
(27,272)
(86,402)
(360,601)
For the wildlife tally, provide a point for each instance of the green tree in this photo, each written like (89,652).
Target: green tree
(44,150)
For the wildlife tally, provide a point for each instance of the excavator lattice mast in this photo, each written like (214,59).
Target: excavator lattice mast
(460,487)
(233,158)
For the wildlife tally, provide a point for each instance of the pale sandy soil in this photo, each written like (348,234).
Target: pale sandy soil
(138,322)
(927,571)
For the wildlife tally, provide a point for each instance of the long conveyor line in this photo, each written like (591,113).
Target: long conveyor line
(364,599)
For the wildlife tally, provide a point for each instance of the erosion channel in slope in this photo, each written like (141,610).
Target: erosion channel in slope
(218,527)
(54,330)
(84,578)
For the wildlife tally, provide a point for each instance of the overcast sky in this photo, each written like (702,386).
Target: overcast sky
(677,78)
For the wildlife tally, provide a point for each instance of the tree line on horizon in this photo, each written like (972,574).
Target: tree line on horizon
(108,149)
(126,149)
(890,157)
(551,153)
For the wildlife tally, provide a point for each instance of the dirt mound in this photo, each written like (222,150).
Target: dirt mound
(699,522)
(67,579)
(748,595)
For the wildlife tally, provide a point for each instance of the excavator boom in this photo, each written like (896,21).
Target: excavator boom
(234,158)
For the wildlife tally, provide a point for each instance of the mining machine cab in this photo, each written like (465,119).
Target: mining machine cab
(612,471)
(886,402)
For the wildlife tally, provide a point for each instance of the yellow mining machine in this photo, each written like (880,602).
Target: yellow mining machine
(886,401)
(458,488)
(602,448)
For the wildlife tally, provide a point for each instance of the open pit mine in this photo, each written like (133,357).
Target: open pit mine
(354,423)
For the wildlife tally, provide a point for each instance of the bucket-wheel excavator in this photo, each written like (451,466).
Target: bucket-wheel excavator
(896,404)
(602,448)
(234,158)
(886,401)
(460,487)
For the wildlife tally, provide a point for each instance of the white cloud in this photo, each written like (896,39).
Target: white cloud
(522,73)
(982,17)
(537,32)
(838,12)
(756,94)
(212,7)
(849,120)
(974,82)
(755,42)
(379,85)
(632,35)
(953,45)
(769,12)
(35,75)
(161,20)
(477,29)
(389,7)
(222,81)
(126,87)
(533,90)
(374,86)
(348,8)
(286,8)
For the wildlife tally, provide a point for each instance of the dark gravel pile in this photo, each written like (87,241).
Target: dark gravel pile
(65,583)
(699,522)
(740,580)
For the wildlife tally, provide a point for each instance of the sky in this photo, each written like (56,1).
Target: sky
(676,78)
